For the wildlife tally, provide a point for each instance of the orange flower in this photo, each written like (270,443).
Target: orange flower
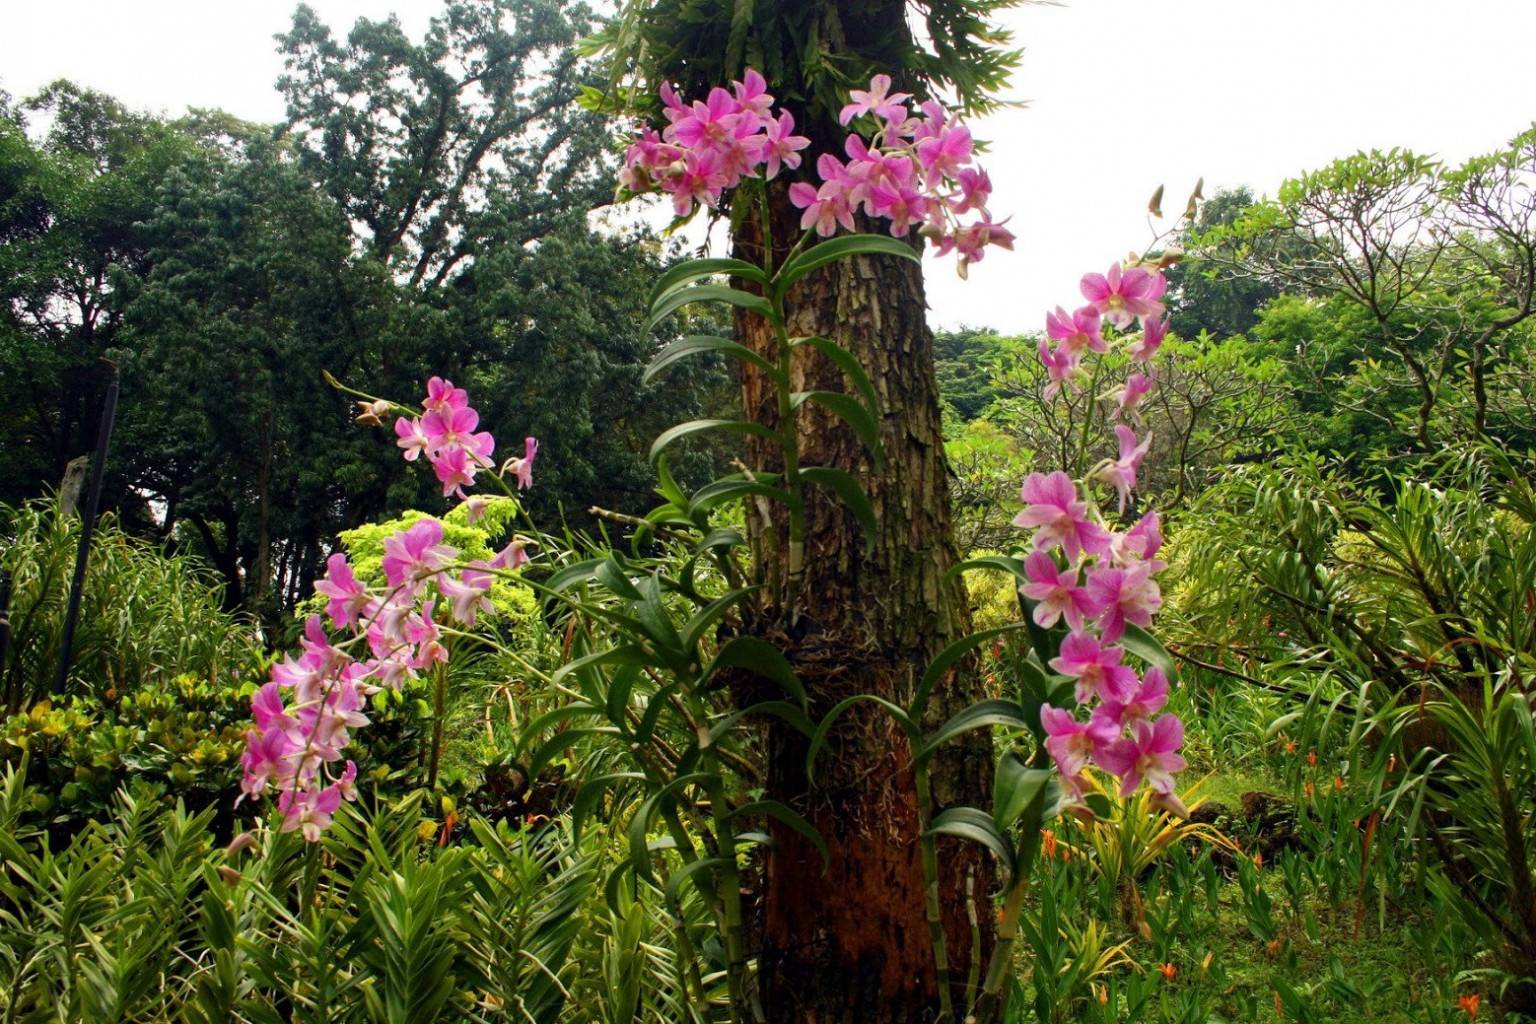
(1310,790)
(1167,971)
(1470,1003)
(1312,758)
(1338,783)
(1258,859)
(1048,840)
(1290,746)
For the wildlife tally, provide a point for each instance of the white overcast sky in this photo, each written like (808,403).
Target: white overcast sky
(1122,95)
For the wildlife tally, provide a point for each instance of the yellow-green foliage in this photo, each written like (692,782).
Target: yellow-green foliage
(994,596)
(514,603)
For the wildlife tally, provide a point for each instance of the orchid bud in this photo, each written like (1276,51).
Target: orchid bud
(373,413)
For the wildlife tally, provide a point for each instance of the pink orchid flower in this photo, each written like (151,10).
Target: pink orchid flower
(1121,296)
(1071,743)
(783,145)
(1096,668)
(415,553)
(1056,593)
(1121,473)
(522,468)
(412,439)
(1152,334)
(443,397)
(510,557)
(878,100)
(1137,386)
(1077,332)
(467,595)
(1148,699)
(1060,367)
(1142,541)
(348,597)
(751,94)
(1124,595)
(1149,754)
(1053,511)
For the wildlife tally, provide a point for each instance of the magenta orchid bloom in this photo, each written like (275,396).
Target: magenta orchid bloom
(1060,366)
(783,145)
(412,440)
(443,397)
(522,469)
(1122,296)
(347,596)
(1096,668)
(416,553)
(1121,473)
(510,557)
(1056,515)
(1142,541)
(915,172)
(1071,743)
(1137,386)
(878,100)
(1148,700)
(1076,332)
(1124,595)
(1150,753)
(1145,347)
(467,595)
(1056,593)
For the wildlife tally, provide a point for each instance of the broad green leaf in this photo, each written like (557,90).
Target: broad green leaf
(788,816)
(849,365)
(1146,647)
(697,426)
(977,826)
(570,575)
(678,878)
(624,654)
(731,488)
(821,254)
(790,714)
(760,658)
(1014,786)
(951,654)
(651,611)
(640,821)
(980,715)
(612,575)
(852,412)
(696,343)
(824,728)
(852,495)
(693,630)
(676,300)
(690,271)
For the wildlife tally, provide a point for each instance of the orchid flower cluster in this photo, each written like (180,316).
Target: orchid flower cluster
(445,433)
(304,714)
(917,172)
(1098,581)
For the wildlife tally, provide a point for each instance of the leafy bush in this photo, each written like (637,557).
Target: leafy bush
(146,615)
(139,917)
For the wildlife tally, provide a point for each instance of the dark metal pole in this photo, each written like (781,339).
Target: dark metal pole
(5,632)
(87,528)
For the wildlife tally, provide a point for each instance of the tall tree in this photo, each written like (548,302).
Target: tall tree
(71,206)
(848,943)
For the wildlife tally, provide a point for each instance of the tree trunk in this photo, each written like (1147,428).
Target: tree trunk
(850,943)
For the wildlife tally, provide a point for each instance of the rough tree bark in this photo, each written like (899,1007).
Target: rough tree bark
(850,944)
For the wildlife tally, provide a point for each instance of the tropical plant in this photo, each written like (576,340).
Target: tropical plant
(139,917)
(146,616)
